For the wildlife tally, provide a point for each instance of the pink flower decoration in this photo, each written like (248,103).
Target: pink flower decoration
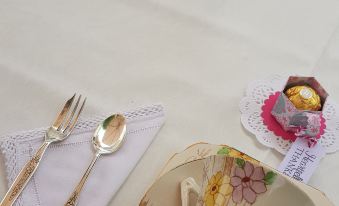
(247,183)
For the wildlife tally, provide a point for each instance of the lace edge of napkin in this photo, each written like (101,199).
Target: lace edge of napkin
(10,143)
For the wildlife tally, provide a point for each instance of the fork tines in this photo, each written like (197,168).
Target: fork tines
(68,117)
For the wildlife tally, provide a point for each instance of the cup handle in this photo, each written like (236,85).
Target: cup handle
(188,186)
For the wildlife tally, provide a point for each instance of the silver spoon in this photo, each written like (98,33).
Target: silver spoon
(108,137)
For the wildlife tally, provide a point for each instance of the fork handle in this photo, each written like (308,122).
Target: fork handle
(24,176)
(73,199)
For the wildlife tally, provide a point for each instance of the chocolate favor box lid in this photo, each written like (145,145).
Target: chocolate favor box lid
(309,81)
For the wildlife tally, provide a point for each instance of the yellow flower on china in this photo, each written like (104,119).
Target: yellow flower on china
(218,190)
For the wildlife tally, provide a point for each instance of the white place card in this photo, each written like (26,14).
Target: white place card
(301,161)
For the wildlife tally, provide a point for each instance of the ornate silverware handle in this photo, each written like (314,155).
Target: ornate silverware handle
(73,199)
(24,176)
(60,130)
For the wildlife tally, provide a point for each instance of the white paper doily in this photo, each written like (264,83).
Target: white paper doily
(250,107)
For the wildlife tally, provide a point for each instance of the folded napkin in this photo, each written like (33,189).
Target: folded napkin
(64,163)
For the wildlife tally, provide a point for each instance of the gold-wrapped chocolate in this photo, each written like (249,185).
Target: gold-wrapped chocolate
(304,98)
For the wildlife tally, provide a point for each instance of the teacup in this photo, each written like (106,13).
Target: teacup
(230,181)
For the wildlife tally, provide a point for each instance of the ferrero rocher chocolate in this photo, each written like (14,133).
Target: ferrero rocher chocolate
(304,98)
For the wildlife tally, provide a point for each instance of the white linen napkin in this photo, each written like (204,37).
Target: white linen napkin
(64,163)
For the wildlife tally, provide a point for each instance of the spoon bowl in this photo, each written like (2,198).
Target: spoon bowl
(109,135)
(107,138)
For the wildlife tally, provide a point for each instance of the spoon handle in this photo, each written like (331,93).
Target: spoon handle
(73,199)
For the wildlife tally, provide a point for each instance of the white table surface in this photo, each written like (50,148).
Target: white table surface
(194,56)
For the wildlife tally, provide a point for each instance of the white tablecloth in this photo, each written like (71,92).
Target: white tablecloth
(195,56)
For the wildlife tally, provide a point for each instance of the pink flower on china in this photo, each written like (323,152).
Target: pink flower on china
(247,183)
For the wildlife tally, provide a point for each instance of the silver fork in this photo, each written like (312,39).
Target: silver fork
(60,130)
